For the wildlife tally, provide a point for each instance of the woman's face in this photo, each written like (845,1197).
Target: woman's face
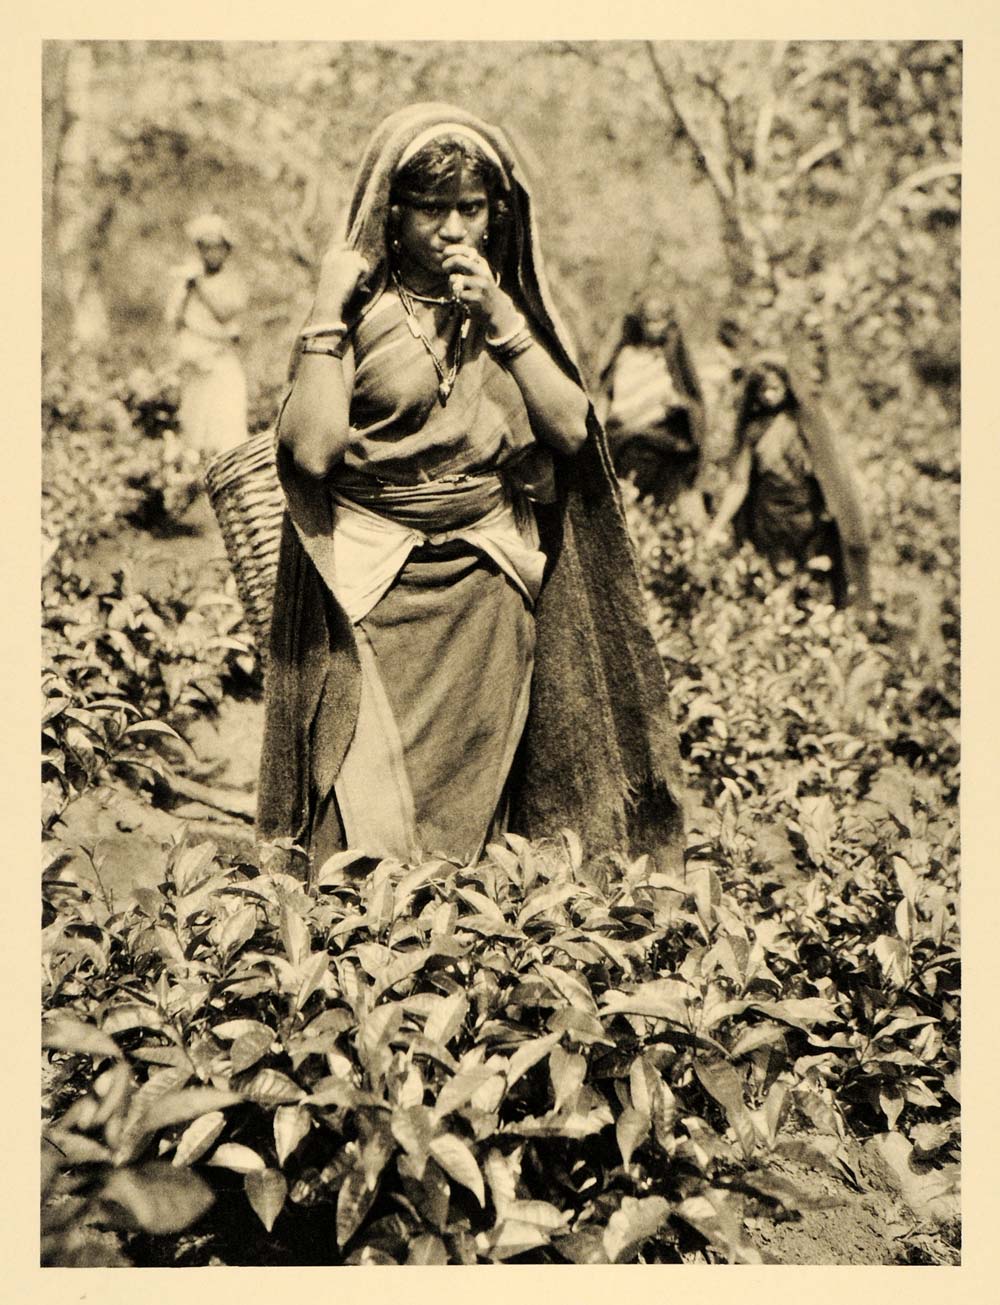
(455,213)
(771,388)
(213,254)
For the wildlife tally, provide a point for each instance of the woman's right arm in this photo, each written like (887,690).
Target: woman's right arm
(315,421)
(731,499)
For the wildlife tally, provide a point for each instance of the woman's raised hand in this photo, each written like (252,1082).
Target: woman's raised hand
(473,284)
(341,272)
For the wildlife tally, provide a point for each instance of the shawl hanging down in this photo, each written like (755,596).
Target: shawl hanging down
(663,467)
(599,753)
(831,466)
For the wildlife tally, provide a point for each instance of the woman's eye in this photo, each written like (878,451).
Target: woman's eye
(471,210)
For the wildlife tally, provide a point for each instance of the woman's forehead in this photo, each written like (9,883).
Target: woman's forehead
(460,187)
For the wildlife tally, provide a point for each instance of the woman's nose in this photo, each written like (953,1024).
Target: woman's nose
(452,229)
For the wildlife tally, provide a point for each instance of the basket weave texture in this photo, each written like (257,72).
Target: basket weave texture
(246,497)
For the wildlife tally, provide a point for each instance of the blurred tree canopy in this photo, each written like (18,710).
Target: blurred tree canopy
(796,181)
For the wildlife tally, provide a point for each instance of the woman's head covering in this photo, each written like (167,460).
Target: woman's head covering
(207,228)
(830,458)
(759,363)
(398,139)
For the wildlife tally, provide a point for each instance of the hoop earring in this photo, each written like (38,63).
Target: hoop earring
(394,244)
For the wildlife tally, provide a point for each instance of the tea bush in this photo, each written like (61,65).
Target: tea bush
(464,1064)
(512,1060)
(123,669)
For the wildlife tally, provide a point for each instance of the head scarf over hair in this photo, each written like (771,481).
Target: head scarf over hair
(401,136)
(830,461)
(207,228)
(598,754)
(675,352)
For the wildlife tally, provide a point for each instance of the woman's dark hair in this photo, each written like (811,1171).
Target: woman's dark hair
(634,321)
(751,408)
(441,161)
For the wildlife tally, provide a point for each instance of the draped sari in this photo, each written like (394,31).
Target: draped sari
(522,622)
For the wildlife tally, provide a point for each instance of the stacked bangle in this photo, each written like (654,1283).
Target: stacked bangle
(323,328)
(499,341)
(514,347)
(505,348)
(311,338)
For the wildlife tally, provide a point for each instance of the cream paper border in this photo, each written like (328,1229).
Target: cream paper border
(978,25)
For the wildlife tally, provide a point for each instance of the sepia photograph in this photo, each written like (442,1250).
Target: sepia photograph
(500,652)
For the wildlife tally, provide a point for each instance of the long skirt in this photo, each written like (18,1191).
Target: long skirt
(446,658)
(213,408)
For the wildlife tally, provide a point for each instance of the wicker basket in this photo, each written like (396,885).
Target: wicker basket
(247,500)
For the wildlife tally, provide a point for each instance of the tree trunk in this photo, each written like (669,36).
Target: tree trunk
(71,217)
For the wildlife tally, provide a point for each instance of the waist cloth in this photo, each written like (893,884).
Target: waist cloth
(438,580)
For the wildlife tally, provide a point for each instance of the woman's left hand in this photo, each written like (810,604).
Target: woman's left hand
(473,284)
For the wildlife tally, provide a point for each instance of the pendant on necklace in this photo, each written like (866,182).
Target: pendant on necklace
(444,390)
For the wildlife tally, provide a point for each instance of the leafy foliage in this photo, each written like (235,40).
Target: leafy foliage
(124,671)
(491,1062)
(517,1060)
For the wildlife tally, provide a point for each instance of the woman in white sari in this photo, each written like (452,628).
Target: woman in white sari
(203,311)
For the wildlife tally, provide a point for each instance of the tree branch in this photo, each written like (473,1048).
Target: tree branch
(824,148)
(765,115)
(922,177)
(703,156)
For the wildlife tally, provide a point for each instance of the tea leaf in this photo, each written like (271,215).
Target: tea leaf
(632,1224)
(199,1137)
(568,1071)
(266,1191)
(461,1088)
(660,998)
(291,1125)
(269,1087)
(446,1019)
(631,1131)
(177,1107)
(459,1163)
(529,1054)
(66,1034)
(240,1159)
(250,1045)
(427,1249)
(294,936)
(354,1200)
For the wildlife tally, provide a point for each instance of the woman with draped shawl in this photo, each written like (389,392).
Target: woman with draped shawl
(458,644)
(792,493)
(652,404)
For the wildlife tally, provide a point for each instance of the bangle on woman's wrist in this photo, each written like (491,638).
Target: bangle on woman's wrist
(499,341)
(513,346)
(335,350)
(323,328)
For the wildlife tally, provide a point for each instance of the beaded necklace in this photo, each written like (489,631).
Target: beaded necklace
(446,375)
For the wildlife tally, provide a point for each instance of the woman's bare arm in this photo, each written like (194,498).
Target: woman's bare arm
(315,421)
(556,405)
(732,497)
